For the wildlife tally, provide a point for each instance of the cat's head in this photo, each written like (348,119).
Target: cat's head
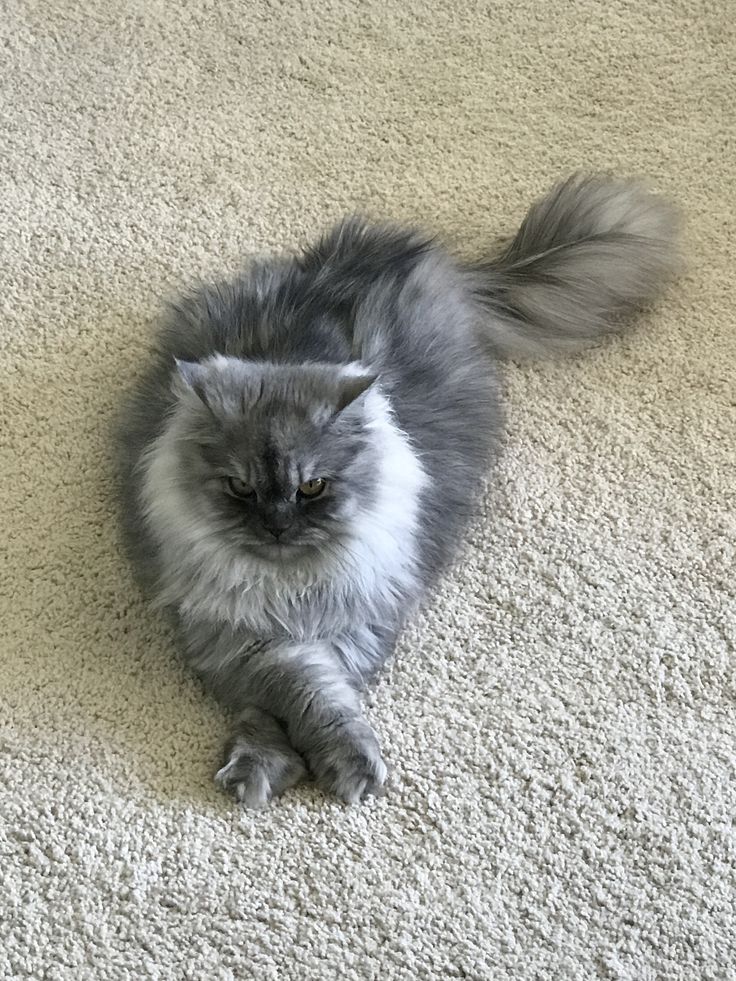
(282,459)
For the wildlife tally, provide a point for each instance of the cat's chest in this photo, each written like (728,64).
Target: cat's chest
(286,606)
(272,608)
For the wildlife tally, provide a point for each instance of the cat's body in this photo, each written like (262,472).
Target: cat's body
(300,458)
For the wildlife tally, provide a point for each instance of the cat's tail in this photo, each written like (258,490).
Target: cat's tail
(587,256)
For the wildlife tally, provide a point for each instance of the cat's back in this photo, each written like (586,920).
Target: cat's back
(269,312)
(364,291)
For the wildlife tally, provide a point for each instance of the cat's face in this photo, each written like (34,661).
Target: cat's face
(280,459)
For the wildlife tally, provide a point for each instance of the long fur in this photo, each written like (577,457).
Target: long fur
(588,255)
(363,361)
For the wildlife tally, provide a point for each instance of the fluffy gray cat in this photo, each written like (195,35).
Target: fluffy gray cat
(303,450)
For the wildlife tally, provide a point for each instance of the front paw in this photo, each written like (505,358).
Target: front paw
(346,761)
(256,771)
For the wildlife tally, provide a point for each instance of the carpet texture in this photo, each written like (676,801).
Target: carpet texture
(561,721)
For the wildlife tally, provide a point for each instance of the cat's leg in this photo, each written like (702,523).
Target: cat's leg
(260,762)
(295,701)
(311,688)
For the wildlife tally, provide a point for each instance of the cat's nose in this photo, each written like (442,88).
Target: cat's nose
(277,524)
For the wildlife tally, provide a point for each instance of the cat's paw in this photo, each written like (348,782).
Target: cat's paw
(346,761)
(255,772)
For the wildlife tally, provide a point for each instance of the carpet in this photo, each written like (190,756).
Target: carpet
(561,720)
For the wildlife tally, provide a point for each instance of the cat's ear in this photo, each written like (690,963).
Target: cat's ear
(189,376)
(222,384)
(352,386)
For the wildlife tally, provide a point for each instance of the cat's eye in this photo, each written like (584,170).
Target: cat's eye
(239,488)
(312,488)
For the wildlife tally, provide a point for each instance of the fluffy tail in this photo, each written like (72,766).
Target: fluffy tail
(587,256)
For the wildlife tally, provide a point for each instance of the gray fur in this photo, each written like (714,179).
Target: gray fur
(586,257)
(363,361)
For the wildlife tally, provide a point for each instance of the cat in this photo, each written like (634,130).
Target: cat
(302,452)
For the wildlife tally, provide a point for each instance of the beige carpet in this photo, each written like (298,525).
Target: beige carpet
(562,723)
